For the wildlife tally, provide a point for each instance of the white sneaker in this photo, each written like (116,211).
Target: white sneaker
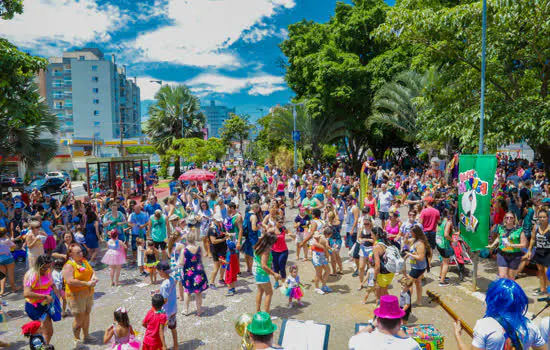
(290,305)
(319,291)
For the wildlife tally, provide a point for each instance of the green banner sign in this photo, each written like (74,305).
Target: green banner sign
(476,174)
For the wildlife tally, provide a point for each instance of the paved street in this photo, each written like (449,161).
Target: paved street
(215,330)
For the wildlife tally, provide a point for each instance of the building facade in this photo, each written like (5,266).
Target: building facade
(91,96)
(215,116)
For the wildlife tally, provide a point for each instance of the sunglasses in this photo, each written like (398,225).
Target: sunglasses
(508,218)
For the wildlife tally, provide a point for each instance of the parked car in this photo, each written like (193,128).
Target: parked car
(11,183)
(58,174)
(48,185)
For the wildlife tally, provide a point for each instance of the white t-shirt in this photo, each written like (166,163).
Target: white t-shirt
(385,201)
(381,341)
(489,335)
(291,185)
(544,328)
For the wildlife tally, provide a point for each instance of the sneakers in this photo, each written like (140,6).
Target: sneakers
(221,282)
(230,292)
(444,284)
(319,291)
(213,286)
(538,293)
(290,305)
(276,285)
(355,273)
(300,303)
(326,289)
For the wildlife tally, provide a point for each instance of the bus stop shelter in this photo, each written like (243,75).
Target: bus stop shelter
(108,169)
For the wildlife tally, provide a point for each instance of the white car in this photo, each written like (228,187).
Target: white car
(58,174)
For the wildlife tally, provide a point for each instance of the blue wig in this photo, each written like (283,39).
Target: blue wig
(507,300)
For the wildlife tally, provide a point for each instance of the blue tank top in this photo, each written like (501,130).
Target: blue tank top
(415,264)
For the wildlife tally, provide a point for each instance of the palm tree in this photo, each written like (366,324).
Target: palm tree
(313,131)
(31,140)
(395,102)
(175,115)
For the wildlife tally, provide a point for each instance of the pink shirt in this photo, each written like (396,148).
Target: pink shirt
(280,245)
(429,217)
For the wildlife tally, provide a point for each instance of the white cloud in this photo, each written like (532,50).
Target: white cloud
(148,87)
(262,84)
(202,30)
(65,22)
(257,34)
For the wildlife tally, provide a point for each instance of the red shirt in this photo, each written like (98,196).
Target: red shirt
(152,322)
(429,217)
(280,244)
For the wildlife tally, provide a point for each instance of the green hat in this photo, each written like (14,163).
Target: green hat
(261,324)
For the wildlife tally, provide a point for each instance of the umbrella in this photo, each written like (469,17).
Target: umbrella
(197,175)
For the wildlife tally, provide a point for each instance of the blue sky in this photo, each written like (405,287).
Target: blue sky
(225,50)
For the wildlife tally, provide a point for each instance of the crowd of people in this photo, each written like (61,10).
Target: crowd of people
(402,225)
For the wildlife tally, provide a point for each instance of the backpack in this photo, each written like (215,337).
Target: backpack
(393,261)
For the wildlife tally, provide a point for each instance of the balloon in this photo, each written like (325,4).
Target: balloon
(242,322)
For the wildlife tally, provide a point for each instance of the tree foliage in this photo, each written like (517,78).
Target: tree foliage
(176,114)
(26,124)
(518,67)
(197,150)
(335,67)
(8,8)
(140,150)
(236,128)
(395,103)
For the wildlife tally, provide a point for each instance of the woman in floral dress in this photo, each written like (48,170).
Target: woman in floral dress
(194,278)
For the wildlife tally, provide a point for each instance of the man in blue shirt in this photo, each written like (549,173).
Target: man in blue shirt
(152,206)
(138,222)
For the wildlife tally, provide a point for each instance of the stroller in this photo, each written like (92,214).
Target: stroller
(462,254)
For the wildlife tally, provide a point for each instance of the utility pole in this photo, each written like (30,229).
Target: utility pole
(294,138)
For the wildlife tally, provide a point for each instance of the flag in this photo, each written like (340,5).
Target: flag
(475,187)
(364,184)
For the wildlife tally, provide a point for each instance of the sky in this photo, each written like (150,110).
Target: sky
(224,50)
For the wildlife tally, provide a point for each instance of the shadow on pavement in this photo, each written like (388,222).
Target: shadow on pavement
(191,344)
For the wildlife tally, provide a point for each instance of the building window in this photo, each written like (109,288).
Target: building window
(95,90)
(96,113)
(96,101)
(94,68)
(82,58)
(95,79)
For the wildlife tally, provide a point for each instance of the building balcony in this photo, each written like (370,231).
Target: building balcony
(58,86)
(57,74)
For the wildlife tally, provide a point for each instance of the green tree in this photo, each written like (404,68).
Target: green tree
(32,141)
(175,115)
(517,104)
(141,150)
(313,132)
(395,102)
(26,124)
(197,150)
(236,128)
(8,8)
(330,66)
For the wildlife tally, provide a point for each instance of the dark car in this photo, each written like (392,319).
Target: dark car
(50,185)
(11,183)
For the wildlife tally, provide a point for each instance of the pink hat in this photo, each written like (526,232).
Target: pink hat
(389,308)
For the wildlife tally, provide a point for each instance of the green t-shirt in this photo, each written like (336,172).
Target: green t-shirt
(158,228)
(441,240)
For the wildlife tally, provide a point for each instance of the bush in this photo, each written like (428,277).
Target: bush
(164,164)
(75,174)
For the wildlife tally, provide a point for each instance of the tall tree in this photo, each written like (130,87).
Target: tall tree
(517,103)
(26,124)
(329,65)
(236,128)
(175,115)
